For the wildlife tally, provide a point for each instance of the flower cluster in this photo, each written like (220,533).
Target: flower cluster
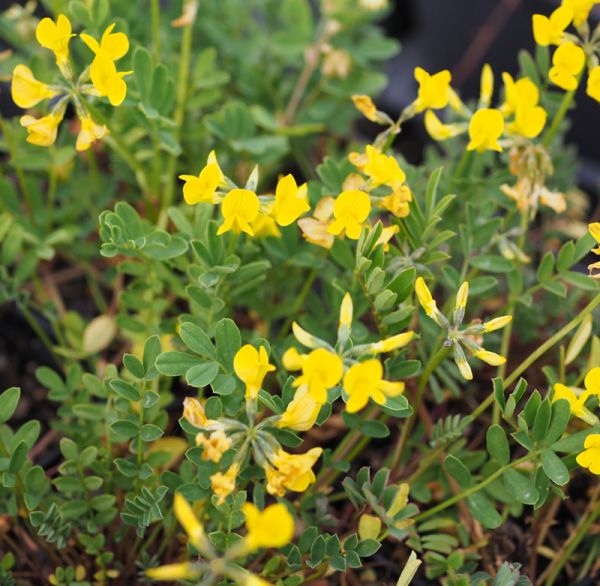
(471,337)
(272,527)
(574,50)
(27,91)
(325,366)
(242,209)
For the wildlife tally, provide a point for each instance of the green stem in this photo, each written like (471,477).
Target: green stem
(560,115)
(182,92)
(299,302)
(472,490)
(155,16)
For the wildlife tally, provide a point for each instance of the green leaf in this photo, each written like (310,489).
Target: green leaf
(134,366)
(374,429)
(458,471)
(197,340)
(482,508)
(554,467)
(124,428)
(143,71)
(542,420)
(150,432)
(9,400)
(367,547)
(492,263)
(546,268)
(561,415)
(176,363)
(520,486)
(228,341)
(497,444)
(18,457)
(202,375)
(125,389)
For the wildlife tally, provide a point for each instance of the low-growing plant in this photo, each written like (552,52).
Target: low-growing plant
(296,359)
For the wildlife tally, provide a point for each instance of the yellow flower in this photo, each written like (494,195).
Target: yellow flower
(522,93)
(239,209)
(273,527)
(529,122)
(55,36)
(426,300)
(462,296)
(321,370)
(41,131)
(576,403)
(172,572)
(252,580)
(114,45)
(485,128)
(346,311)
(438,130)
(590,457)
(251,366)
(392,343)
(497,323)
(567,62)
(592,382)
(364,381)
(314,229)
(290,201)
(549,30)
(193,411)
(350,210)
(594,229)
(291,472)
(489,357)
(89,133)
(593,83)
(203,187)
(382,169)
(213,446)
(397,202)
(487,86)
(107,80)
(223,484)
(185,515)
(434,90)
(305,338)
(580,9)
(26,90)
(386,235)
(292,359)
(301,413)
(265,225)
(365,105)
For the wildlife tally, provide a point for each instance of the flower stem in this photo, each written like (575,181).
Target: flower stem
(560,114)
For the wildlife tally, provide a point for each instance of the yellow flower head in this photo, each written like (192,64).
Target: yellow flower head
(107,80)
(265,225)
(397,203)
(273,527)
(522,93)
(193,412)
(292,359)
(364,381)
(301,413)
(239,209)
(485,128)
(425,298)
(590,457)
(438,130)
(549,30)
(321,370)
(203,187)
(89,133)
(386,235)
(594,229)
(185,515)
(251,366)
(434,90)
(593,83)
(529,122)
(487,86)
(365,105)
(567,62)
(489,357)
(346,311)
(223,484)
(114,45)
(497,323)
(314,229)
(291,471)
(26,90)
(462,296)
(291,201)
(576,403)
(592,382)
(382,169)
(392,343)
(213,446)
(580,9)
(55,36)
(172,572)
(350,210)
(41,131)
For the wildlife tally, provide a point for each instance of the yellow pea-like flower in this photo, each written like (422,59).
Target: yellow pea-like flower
(592,382)
(273,527)
(190,523)
(107,80)
(213,446)
(365,105)
(590,457)
(576,403)
(424,296)
(114,45)
(462,296)
(549,30)
(490,358)
(291,201)
(55,36)
(89,133)
(41,131)
(193,412)
(350,210)
(321,370)
(171,572)
(251,366)
(389,231)
(265,225)
(434,90)
(392,343)
(438,130)
(223,484)
(291,471)
(593,83)
(529,122)
(239,208)
(301,413)
(364,381)
(305,338)
(567,62)
(382,169)
(397,203)
(497,323)
(292,359)
(522,93)
(202,188)
(346,311)
(580,9)
(26,90)
(487,86)
(485,128)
